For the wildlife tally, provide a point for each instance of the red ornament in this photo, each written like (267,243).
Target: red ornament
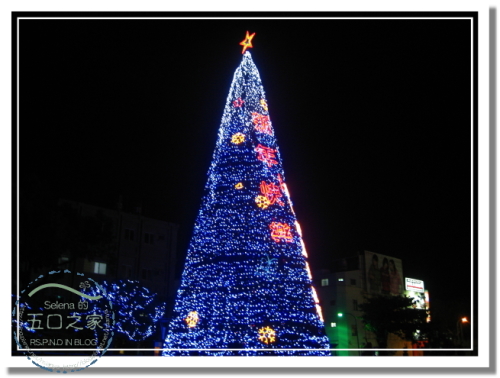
(281,232)
(261,123)
(238,103)
(247,42)
(266,155)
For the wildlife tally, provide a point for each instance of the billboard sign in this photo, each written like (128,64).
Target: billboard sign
(384,274)
(420,301)
(412,284)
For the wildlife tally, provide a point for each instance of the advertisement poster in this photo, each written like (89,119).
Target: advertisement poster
(384,274)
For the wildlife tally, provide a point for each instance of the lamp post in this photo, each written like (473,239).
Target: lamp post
(460,329)
(340,314)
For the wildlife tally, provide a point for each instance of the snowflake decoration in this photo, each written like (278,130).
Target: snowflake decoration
(238,138)
(267,266)
(192,319)
(262,201)
(267,335)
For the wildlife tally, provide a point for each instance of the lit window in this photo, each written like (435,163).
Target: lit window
(333,325)
(324,282)
(99,268)
(341,280)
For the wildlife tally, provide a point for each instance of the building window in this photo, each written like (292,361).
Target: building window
(99,268)
(63,260)
(332,302)
(341,280)
(148,238)
(353,281)
(324,282)
(333,325)
(355,304)
(129,234)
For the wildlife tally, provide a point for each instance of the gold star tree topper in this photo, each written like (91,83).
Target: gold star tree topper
(247,42)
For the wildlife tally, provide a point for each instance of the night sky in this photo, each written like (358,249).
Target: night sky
(372,118)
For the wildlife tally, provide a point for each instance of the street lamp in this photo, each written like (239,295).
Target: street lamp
(460,329)
(340,314)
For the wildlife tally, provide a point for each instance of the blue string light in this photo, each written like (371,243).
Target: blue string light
(246,283)
(137,311)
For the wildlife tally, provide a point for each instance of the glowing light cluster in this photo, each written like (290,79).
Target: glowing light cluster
(247,42)
(315,295)
(271,192)
(308,271)
(246,267)
(281,232)
(137,311)
(267,267)
(192,319)
(266,155)
(262,201)
(304,251)
(238,103)
(267,335)
(238,138)
(297,226)
(262,123)
(319,312)
(316,301)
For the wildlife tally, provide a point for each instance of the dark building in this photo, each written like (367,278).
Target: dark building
(102,244)
(120,245)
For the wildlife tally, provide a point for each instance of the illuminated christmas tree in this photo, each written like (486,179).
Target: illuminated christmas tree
(246,288)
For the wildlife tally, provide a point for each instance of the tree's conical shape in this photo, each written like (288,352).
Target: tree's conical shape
(246,288)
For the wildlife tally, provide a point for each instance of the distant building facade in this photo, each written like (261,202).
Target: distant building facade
(343,289)
(132,246)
